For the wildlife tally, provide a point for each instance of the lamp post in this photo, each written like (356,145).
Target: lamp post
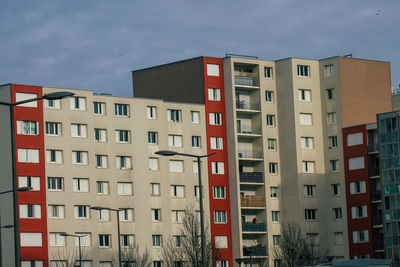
(119,232)
(50,96)
(173,153)
(21,189)
(79,244)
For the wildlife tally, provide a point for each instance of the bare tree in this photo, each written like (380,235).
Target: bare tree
(63,257)
(295,249)
(188,252)
(131,257)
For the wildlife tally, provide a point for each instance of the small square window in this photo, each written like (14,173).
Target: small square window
(268,72)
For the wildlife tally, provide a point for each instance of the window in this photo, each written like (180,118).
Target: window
(355,139)
(274,191)
(80,157)
(269,96)
(126,215)
(53,128)
(195,167)
(151,112)
(276,240)
(156,241)
(306,119)
(77,103)
(307,143)
(333,143)
(30,211)
(331,118)
(177,216)
(222,263)
(155,189)
(99,108)
(217,167)
(334,164)
(220,216)
(219,192)
(56,240)
(31,263)
(54,156)
(80,184)
(308,166)
(339,237)
(330,94)
(124,188)
(105,264)
(174,115)
(215,118)
(337,212)
(309,190)
(271,120)
(27,127)
(124,162)
(174,140)
(156,215)
(335,189)
(121,110)
(217,142)
(31,239)
(212,70)
(104,215)
(49,103)
(271,144)
(56,211)
(310,214)
(177,191)
(273,167)
(304,95)
(104,241)
(303,71)
(268,72)
(275,216)
(178,240)
(29,181)
(100,135)
(176,166)
(196,191)
(78,130)
(153,164)
(101,161)
(214,94)
(196,141)
(221,241)
(152,137)
(360,236)
(329,70)
(127,241)
(359,212)
(85,241)
(102,188)
(122,136)
(277,263)
(195,116)
(81,212)
(156,263)
(356,163)
(26,96)
(26,155)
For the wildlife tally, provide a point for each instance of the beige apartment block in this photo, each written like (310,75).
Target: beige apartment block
(100,152)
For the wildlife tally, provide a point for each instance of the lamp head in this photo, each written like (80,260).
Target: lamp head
(97,208)
(57,95)
(64,234)
(166,153)
(7,226)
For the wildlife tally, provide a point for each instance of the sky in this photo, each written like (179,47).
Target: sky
(95,44)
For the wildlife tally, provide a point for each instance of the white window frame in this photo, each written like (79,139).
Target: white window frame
(124,162)
(195,116)
(308,166)
(77,103)
(80,185)
(78,130)
(79,157)
(56,211)
(29,181)
(27,127)
(175,140)
(100,135)
(28,155)
(151,112)
(305,95)
(30,211)
(220,216)
(101,161)
(177,191)
(101,108)
(219,192)
(271,120)
(215,118)
(124,188)
(214,94)
(303,71)
(153,164)
(218,167)
(269,96)
(121,110)
(176,166)
(217,143)
(53,128)
(307,142)
(174,115)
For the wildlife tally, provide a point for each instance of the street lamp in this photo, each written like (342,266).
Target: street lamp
(50,96)
(169,153)
(79,244)
(119,232)
(21,189)
(239,261)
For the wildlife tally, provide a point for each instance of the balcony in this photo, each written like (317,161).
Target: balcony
(255,251)
(247,130)
(252,201)
(249,154)
(246,105)
(251,177)
(246,80)
(376,196)
(377,220)
(373,148)
(254,227)
(373,171)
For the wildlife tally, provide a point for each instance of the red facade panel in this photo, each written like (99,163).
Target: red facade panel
(32,169)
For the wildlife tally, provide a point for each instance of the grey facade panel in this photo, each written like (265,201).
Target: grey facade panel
(176,82)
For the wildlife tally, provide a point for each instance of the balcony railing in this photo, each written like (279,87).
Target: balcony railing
(246,105)
(249,153)
(376,196)
(252,201)
(244,80)
(255,251)
(251,177)
(247,129)
(379,244)
(372,147)
(254,227)
(377,220)
(373,171)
